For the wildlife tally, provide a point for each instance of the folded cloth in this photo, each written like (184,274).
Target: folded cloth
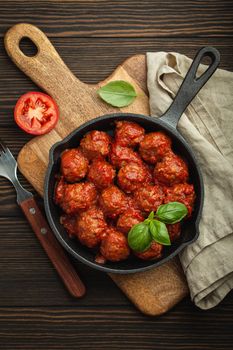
(207,125)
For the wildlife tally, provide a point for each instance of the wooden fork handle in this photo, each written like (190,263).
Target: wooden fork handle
(53,249)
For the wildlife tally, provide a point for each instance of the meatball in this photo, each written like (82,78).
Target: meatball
(120,156)
(171,170)
(128,219)
(154,252)
(96,144)
(74,165)
(114,246)
(59,191)
(91,227)
(154,146)
(174,231)
(183,193)
(132,203)
(77,197)
(132,176)
(101,173)
(128,134)
(149,197)
(113,202)
(69,223)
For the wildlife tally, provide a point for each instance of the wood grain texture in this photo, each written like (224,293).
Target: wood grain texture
(78,102)
(28,278)
(104,318)
(53,249)
(115,328)
(155,291)
(101,18)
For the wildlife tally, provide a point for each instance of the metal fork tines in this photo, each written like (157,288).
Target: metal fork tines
(8,169)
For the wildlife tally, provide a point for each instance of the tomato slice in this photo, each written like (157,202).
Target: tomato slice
(36,113)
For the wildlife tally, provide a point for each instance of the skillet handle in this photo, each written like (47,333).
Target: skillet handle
(191,85)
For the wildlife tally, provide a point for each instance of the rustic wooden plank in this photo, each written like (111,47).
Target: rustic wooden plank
(80,53)
(117,328)
(99,18)
(27,277)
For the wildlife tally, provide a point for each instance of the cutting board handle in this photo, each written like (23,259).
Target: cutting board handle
(46,68)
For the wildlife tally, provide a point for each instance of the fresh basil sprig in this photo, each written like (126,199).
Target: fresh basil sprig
(153,228)
(172,212)
(139,237)
(118,93)
(159,232)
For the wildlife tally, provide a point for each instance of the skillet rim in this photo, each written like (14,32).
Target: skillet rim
(154,120)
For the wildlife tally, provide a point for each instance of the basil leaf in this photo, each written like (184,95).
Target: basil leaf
(159,232)
(139,237)
(172,212)
(118,93)
(151,215)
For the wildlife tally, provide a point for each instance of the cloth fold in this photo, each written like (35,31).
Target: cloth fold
(207,125)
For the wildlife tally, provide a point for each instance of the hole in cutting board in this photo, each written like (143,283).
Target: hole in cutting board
(28,47)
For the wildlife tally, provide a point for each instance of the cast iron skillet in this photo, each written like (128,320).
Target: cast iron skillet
(168,123)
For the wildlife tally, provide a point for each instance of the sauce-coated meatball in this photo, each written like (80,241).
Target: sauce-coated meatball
(91,227)
(154,252)
(77,197)
(107,185)
(74,165)
(96,144)
(69,223)
(149,197)
(101,173)
(128,219)
(120,156)
(174,231)
(114,246)
(113,202)
(171,170)
(154,146)
(132,202)
(183,193)
(59,191)
(132,176)
(128,134)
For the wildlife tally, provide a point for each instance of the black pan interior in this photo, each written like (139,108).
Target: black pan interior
(106,123)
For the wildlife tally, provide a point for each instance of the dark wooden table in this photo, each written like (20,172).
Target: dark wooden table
(93,37)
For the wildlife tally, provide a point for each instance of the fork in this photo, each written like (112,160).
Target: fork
(26,200)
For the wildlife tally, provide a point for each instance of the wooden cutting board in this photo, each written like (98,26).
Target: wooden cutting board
(155,291)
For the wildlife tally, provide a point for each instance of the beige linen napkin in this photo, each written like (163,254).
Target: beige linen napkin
(208,127)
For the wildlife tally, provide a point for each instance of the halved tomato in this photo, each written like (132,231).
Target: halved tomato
(36,113)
